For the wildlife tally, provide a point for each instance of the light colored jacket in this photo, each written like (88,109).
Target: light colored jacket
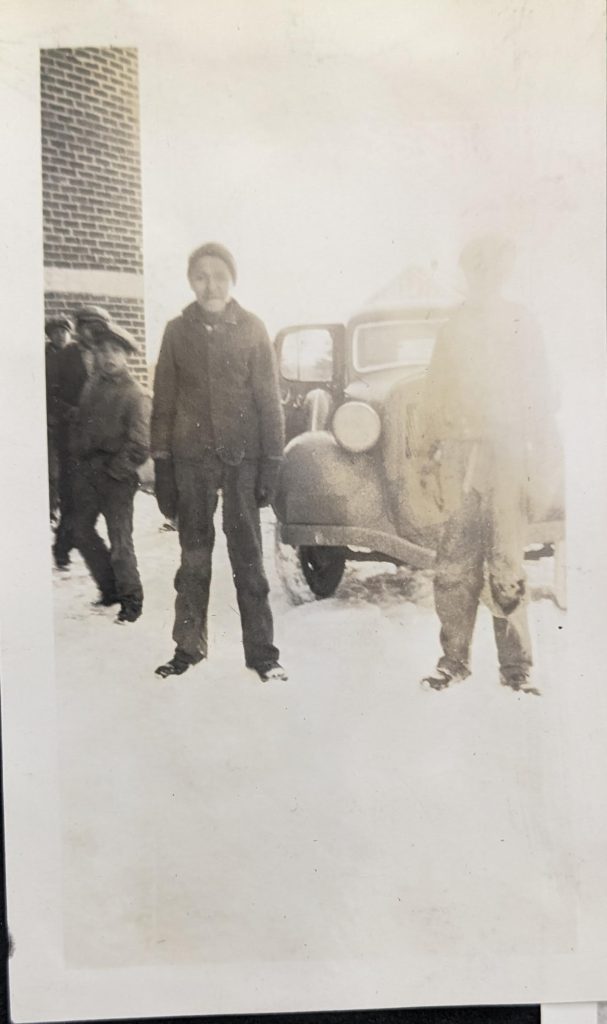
(489,405)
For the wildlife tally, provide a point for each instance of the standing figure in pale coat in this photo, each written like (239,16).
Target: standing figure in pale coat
(489,410)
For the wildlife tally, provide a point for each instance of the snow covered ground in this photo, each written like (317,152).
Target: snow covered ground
(345,813)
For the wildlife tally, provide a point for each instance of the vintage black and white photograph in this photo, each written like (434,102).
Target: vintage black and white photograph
(303,453)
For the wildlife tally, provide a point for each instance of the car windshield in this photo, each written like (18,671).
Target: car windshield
(387,343)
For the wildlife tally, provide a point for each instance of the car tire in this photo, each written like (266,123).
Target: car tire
(323,568)
(297,571)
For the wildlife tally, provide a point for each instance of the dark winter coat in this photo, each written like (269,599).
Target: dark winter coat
(216,389)
(73,374)
(66,375)
(52,361)
(113,425)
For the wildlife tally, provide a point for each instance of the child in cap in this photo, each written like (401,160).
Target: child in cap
(113,441)
(74,365)
(58,330)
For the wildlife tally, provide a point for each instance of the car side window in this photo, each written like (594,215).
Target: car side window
(307,355)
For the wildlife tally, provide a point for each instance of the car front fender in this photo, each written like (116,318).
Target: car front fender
(320,483)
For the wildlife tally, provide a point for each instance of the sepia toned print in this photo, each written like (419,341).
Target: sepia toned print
(318,328)
(411,439)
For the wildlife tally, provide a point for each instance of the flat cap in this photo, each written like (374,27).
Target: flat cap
(114,332)
(86,314)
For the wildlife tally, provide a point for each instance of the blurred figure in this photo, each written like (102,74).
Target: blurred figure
(217,426)
(74,366)
(489,407)
(112,442)
(58,331)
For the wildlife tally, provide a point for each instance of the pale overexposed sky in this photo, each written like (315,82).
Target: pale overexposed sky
(333,143)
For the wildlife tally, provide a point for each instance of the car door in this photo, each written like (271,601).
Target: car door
(310,361)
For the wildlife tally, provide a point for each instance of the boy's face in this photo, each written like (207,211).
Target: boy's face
(211,282)
(59,336)
(110,358)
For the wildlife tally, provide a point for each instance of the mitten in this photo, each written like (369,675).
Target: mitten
(165,487)
(267,480)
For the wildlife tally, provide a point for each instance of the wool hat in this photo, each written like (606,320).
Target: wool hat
(58,321)
(218,251)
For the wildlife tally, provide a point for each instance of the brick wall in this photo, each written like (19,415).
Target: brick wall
(91,174)
(91,184)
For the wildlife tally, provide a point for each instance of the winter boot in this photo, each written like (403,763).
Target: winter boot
(177,665)
(61,559)
(441,678)
(519,681)
(106,600)
(272,670)
(130,609)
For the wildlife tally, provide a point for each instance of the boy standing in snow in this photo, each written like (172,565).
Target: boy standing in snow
(489,410)
(217,425)
(58,330)
(113,440)
(74,366)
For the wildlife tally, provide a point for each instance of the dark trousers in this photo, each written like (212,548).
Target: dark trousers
(64,534)
(471,538)
(96,493)
(198,485)
(53,474)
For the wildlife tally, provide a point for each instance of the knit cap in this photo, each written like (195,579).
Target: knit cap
(219,252)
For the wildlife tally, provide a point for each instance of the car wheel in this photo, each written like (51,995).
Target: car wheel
(323,568)
(300,576)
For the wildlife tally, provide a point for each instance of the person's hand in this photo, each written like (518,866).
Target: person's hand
(120,467)
(165,487)
(503,591)
(267,480)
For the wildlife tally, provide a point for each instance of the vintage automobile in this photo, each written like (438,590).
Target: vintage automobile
(350,486)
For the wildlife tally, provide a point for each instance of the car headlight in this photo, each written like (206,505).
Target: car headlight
(356,426)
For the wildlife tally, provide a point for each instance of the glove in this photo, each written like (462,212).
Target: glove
(505,593)
(120,467)
(165,487)
(267,480)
